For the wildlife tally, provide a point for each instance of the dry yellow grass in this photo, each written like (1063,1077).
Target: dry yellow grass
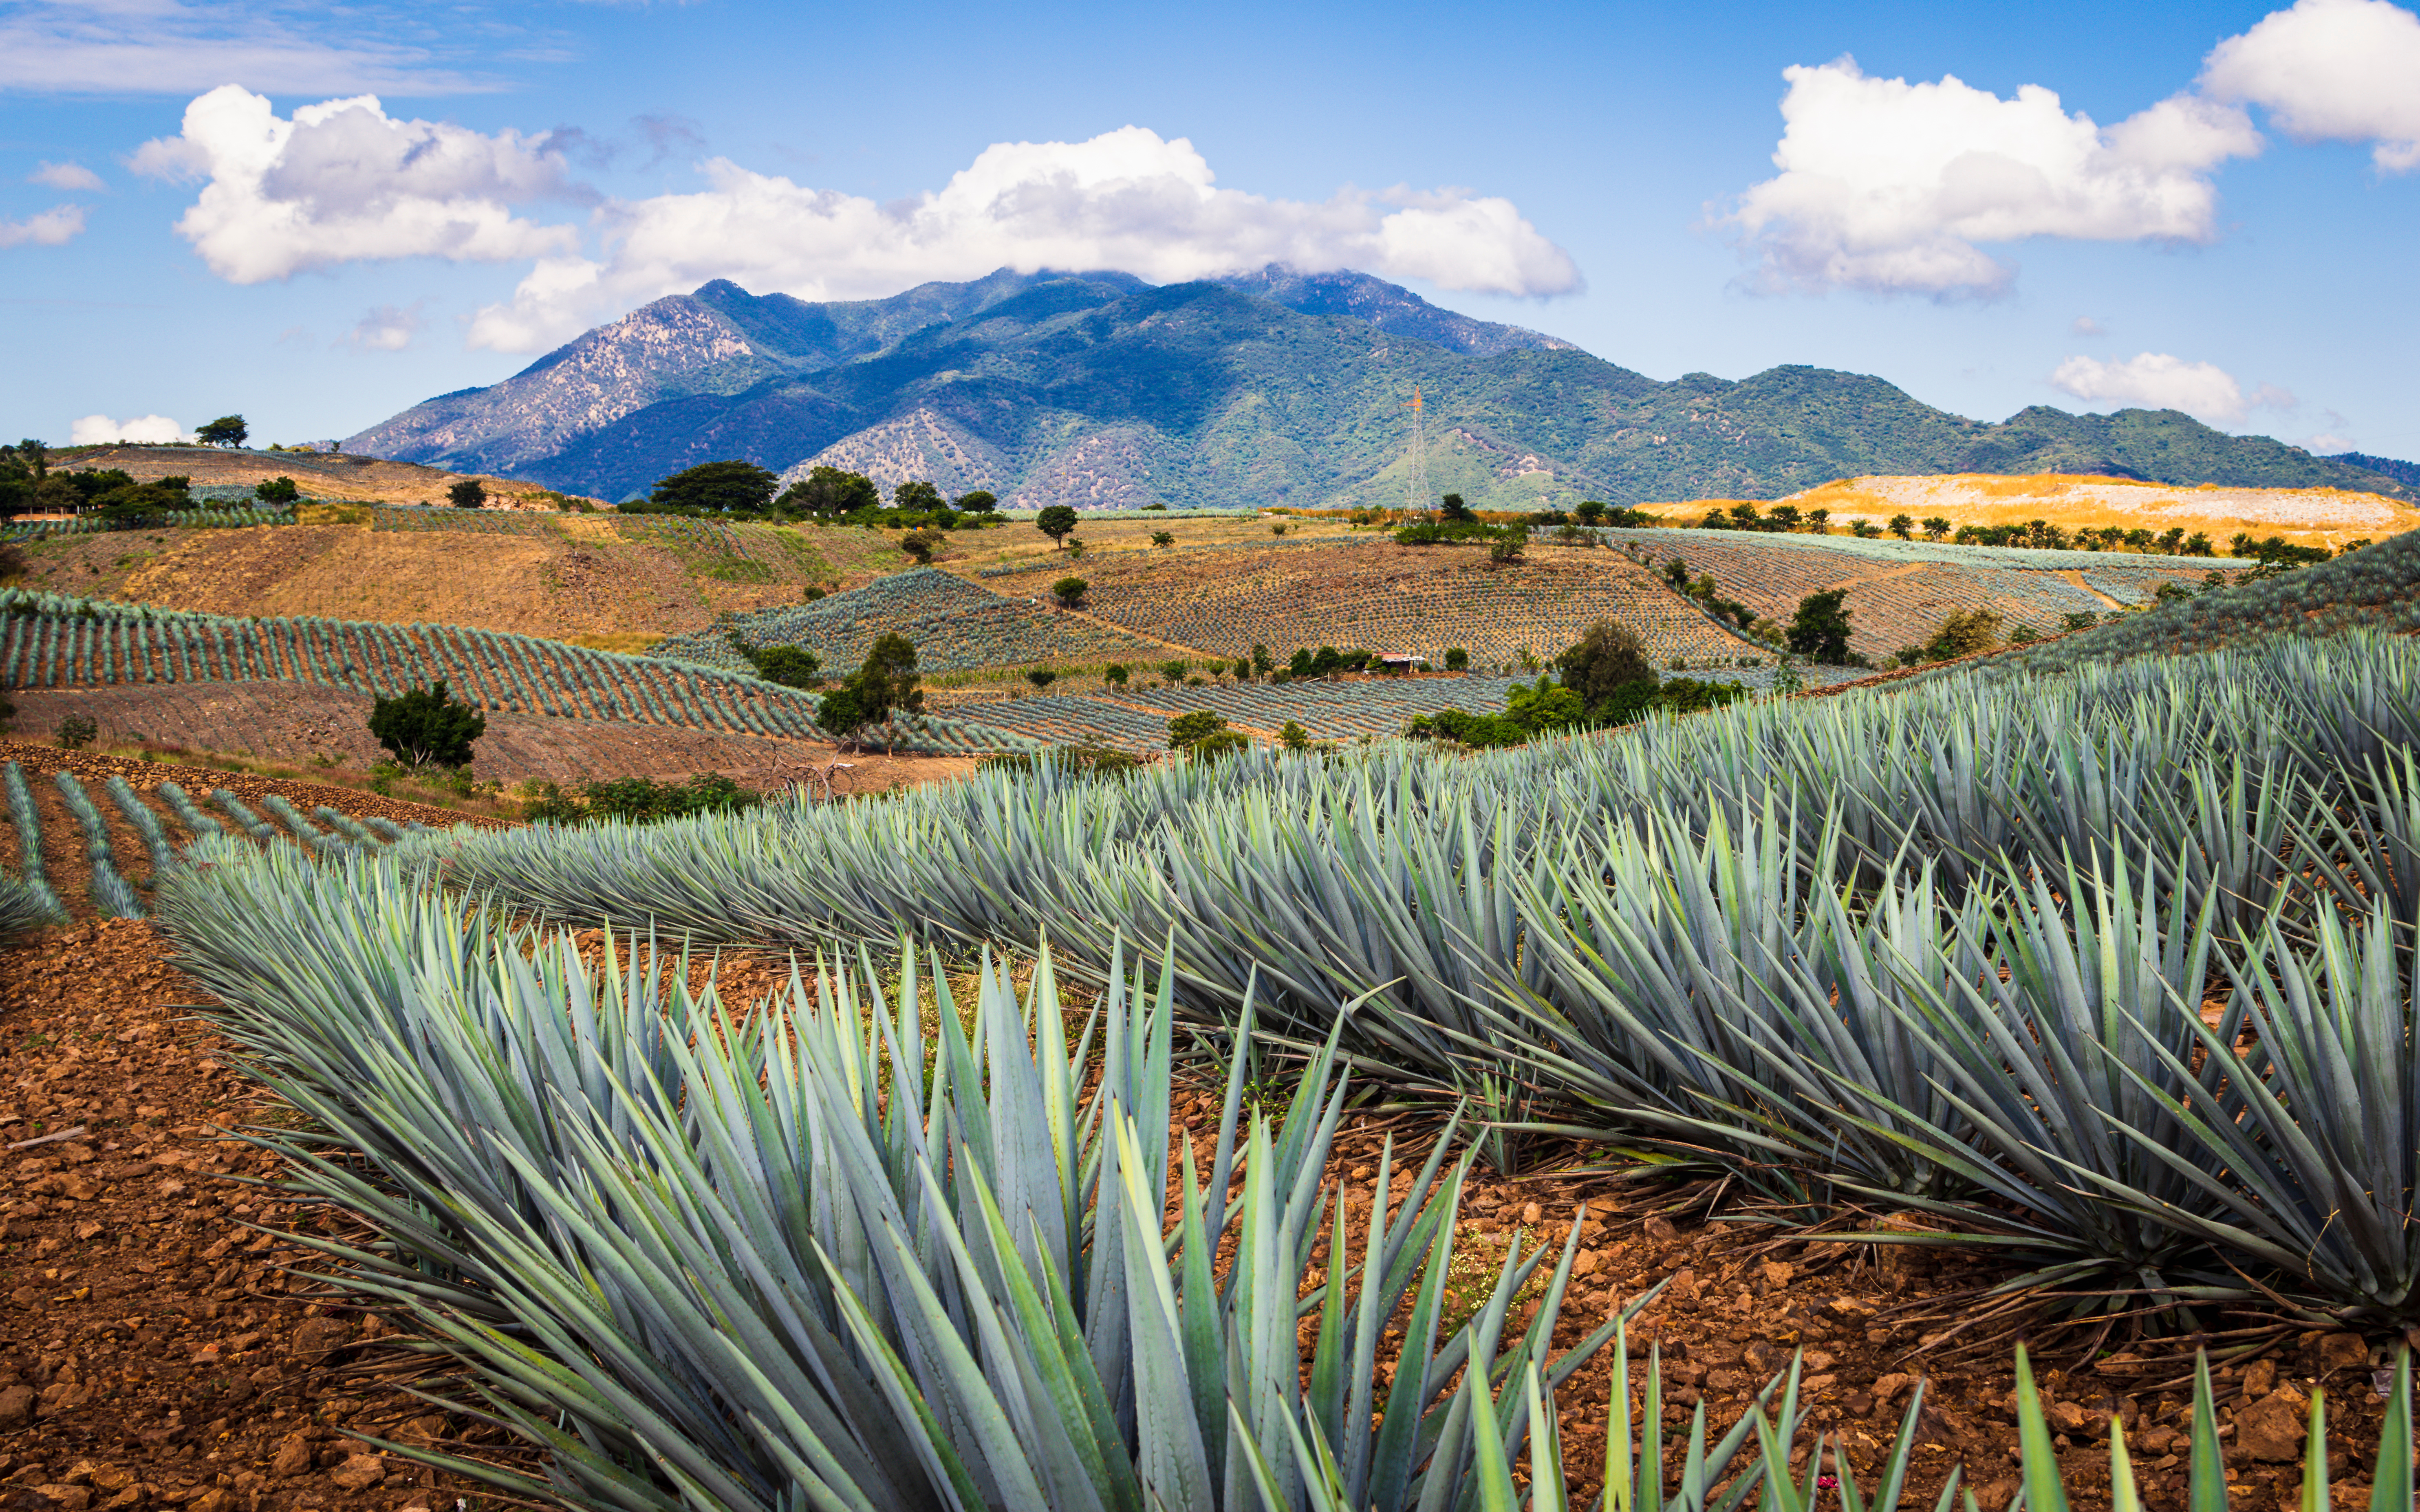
(2312,516)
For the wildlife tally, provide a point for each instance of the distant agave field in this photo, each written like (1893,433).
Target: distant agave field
(2113,970)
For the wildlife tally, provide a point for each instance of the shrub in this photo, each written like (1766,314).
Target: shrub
(1172,671)
(1243,669)
(1507,545)
(1962,633)
(830,491)
(1456,660)
(645,800)
(1114,673)
(1083,761)
(468,493)
(790,666)
(1041,677)
(1069,591)
(76,732)
(1191,728)
(1293,736)
(920,543)
(423,727)
(1220,743)
(1601,664)
(1261,660)
(1163,537)
(1278,530)
(1590,511)
(277,491)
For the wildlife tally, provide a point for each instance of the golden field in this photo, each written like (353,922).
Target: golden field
(2307,517)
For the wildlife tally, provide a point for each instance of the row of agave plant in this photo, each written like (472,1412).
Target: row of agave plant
(859,1246)
(2115,967)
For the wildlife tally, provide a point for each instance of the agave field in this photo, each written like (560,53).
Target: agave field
(1381,597)
(1333,710)
(955,625)
(2377,588)
(1900,590)
(184,518)
(121,885)
(463,521)
(2110,971)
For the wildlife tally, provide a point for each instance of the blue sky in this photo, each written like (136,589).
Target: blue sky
(2218,210)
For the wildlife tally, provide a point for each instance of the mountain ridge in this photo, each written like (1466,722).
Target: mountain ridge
(1270,387)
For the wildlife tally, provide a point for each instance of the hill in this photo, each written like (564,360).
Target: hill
(2329,516)
(1376,595)
(1269,389)
(318,475)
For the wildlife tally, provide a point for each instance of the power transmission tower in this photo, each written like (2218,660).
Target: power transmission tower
(1419,479)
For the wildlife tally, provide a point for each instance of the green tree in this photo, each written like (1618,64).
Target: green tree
(978,502)
(920,545)
(1935,527)
(1456,660)
(1452,507)
(916,494)
(76,732)
(1057,522)
(728,487)
(1069,591)
(1172,671)
(423,727)
(1293,736)
(276,491)
(468,493)
(1220,743)
(1041,677)
(1261,660)
(830,492)
(1243,669)
(1786,517)
(1545,707)
(1507,545)
(1820,630)
(790,666)
(1591,511)
(1903,526)
(1603,664)
(1114,673)
(1821,519)
(886,684)
(1190,728)
(226,430)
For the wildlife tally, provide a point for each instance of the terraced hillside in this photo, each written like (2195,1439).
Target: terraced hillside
(955,625)
(1380,596)
(1900,590)
(519,571)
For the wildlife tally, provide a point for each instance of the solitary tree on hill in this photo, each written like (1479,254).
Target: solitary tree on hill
(733,487)
(1057,522)
(226,430)
(468,493)
(425,728)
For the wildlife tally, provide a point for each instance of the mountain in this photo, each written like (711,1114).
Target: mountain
(2400,472)
(1273,387)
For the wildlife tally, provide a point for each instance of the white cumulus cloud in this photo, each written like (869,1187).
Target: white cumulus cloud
(2155,380)
(343,181)
(69,176)
(2338,71)
(387,329)
(99,430)
(54,227)
(1126,199)
(1895,187)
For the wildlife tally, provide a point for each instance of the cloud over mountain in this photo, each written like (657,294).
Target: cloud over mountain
(2155,380)
(2337,71)
(343,181)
